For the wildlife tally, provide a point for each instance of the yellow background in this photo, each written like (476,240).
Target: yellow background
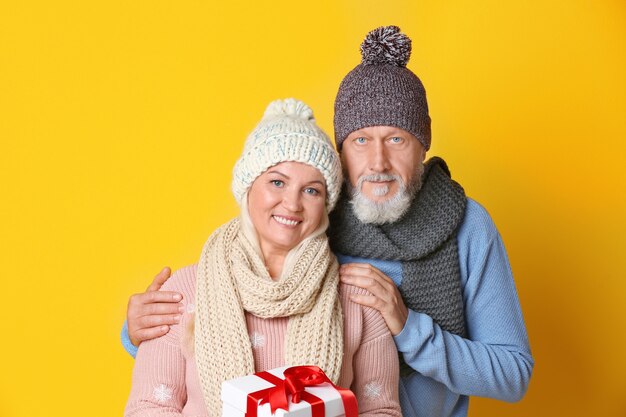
(120,122)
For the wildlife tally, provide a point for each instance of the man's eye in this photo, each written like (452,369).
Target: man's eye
(360,141)
(277,183)
(396,139)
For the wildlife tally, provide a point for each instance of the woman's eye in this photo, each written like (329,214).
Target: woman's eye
(277,183)
(311,191)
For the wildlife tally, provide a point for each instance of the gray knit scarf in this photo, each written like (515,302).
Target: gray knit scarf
(424,240)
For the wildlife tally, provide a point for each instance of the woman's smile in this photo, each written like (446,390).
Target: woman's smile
(287,220)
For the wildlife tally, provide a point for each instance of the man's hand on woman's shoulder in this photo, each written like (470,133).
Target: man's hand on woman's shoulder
(150,313)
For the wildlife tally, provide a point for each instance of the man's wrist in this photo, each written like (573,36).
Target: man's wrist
(405,340)
(126,342)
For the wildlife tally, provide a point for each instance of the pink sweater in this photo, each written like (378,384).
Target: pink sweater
(165,380)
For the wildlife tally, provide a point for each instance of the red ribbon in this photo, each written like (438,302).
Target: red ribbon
(296,379)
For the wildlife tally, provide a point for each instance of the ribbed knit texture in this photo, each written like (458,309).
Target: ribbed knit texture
(287,132)
(232,278)
(381,91)
(424,240)
(168,365)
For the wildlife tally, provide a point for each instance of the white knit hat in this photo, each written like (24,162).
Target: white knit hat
(287,132)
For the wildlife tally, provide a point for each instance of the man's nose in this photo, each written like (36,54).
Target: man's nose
(379,160)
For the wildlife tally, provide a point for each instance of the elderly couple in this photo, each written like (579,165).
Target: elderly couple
(421,314)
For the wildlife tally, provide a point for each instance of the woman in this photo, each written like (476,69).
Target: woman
(264,293)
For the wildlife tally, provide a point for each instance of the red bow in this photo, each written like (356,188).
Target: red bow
(296,379)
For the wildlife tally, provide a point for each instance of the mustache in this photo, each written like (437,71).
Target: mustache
(377,178)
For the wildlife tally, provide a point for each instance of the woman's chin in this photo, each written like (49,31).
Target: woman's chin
(284,243)
(285,236)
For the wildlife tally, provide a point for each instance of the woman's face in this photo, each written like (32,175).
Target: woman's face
(286,204)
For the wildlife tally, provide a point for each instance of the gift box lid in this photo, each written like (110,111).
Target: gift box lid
(235,393)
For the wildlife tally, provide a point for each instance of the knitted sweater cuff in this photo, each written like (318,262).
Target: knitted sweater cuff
(410,338)
(128,345)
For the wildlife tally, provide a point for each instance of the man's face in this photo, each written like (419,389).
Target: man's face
(383,166)
(375,154)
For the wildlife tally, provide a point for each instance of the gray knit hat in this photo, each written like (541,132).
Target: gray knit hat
(381,91)
(287,132)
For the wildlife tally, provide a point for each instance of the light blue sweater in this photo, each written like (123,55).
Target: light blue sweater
(494,361)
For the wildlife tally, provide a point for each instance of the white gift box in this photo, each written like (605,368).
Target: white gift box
(235,397)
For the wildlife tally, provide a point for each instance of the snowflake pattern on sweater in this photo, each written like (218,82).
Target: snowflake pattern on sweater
(162,393)
(257,340)
(372,389)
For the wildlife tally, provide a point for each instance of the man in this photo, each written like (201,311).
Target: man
(431,258)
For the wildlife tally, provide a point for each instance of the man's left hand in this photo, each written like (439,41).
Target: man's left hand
(385,295)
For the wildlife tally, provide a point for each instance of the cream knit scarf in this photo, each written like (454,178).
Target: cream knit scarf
(232,279)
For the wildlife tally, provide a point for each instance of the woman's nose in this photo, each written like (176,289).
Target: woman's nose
(292,200)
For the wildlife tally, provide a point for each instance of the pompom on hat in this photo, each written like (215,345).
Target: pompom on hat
(381,91)
(287,132)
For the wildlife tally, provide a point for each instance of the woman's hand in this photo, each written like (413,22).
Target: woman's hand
(385,295)
(150,314)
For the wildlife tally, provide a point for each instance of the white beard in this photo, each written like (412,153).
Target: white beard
(388,211)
